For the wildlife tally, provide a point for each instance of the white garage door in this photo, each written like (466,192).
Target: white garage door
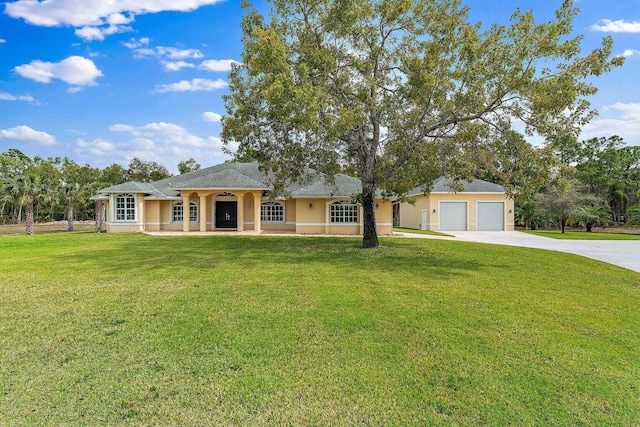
(453,216)
(490,216)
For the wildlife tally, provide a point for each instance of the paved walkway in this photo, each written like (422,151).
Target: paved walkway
(623,253)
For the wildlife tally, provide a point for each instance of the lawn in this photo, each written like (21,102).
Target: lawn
(100,329)
(583,235)
(414,231)
(44,228)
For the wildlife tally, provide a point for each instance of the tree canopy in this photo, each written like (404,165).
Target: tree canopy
(401,90)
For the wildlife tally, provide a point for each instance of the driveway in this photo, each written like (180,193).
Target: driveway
(623,253)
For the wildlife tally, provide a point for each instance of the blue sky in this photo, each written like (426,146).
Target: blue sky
(104,81)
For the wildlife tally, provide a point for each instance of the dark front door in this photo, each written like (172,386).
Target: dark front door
(226,215)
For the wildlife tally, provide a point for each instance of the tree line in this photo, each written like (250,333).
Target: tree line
(595,182)
(591,183)
(57,188)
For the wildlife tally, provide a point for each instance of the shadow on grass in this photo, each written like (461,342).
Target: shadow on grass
(144,253)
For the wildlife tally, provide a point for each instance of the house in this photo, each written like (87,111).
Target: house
(235,196)
(455,206)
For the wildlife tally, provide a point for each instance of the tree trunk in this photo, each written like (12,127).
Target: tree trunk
(70,216)
(29,228)
(100,215)
(370,235)
(563,223)
(589,227)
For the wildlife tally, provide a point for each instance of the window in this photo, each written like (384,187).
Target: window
(343,212)
(125,207)
(177,212)
(272,212)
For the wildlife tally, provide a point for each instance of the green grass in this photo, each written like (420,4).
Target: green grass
(46,228)
(583,235)
(413,230)
(100,329)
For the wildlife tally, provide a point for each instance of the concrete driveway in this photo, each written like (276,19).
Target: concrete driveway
(623,253)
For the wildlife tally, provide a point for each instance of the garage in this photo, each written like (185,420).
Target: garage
(490,216)
(453,216)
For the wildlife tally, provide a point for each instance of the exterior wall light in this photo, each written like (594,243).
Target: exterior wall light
(310,205)
(434,211)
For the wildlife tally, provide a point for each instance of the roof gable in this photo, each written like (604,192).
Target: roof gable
(447,185)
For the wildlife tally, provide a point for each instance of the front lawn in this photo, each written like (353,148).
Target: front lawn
(100,329)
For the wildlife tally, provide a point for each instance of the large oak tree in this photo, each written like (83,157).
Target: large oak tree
(403,89)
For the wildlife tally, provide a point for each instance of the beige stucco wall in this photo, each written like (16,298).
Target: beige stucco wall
(153,215)
(384,217)
(125,226)
(411,214)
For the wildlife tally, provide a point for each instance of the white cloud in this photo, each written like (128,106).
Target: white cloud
(623,119)
(99,33)
(95,14)
(165,134)
(165,143)
(619,26)
(98,147)
(172,58)
(209,116)
(2,41)
(74,70)
(26,98)
(194,85)
(217,65)
(136,44)
(74,89)
(26,134)
(630,52)
(177,65)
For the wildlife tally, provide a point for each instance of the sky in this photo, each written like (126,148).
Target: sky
(102,82)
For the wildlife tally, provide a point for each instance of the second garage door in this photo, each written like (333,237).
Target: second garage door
(453,216)
(490,216)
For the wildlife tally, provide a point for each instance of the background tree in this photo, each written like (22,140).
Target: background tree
(27,189)
(188,166)
(592,215)
(610,169)
(561,203)
(142,171)
(402,89)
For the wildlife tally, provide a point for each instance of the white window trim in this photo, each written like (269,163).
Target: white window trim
(115,208)
(273,203)
(344,203)
(191,203)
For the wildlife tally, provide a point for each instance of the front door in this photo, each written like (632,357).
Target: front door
(226,214)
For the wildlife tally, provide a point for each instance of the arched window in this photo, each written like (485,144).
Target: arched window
(343,212)
(177,212)
(125,207)
(272,212)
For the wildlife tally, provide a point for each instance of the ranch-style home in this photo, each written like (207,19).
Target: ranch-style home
(235,197)
(471,205)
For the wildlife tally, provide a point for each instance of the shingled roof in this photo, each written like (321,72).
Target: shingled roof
(448,185)
(230,176)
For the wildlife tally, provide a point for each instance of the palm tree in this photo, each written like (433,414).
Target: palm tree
(590,216)
(617,200)
(70,192)
(526,214)
(633,218)
(26,190)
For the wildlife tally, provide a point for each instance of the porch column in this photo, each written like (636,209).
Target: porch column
(240,212)
(203,213)
(185,214)
(256,213)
